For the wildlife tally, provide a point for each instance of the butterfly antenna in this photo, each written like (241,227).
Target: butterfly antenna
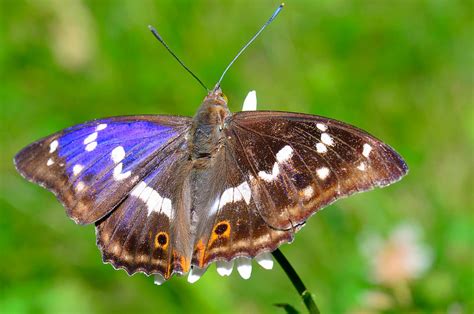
(155,33)
(274,15)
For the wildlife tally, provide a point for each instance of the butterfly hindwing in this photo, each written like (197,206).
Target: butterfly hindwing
(300,163)
(233,226)
(92,166)
(140,234)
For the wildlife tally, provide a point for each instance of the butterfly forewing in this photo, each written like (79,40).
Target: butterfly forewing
(91,167)
(300,163)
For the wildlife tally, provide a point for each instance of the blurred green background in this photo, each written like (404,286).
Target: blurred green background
(402,70)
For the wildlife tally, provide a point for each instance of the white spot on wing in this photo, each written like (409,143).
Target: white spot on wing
(224,268)
(269,177)
(361,166)
(91,146)
(321,148)
(92,137)
(366,150)
(243,191)
(80,186)
(77,169)
(101,127)
(265,260)
(327,139)
(49,162)
(118,175)
(250,102)
(53,146)
(234,194)
(244,267)
(195,274)
(284,154)
(308,192)
(323,172)
(153,200)
(118,154)
(145,194)
(214,207)
(323,127)
(226,197)
(137,190)
(166,207)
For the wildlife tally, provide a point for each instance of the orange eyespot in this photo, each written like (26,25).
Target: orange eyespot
(221,230)
(161,240)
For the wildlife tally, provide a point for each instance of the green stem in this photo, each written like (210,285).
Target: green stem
(296,281)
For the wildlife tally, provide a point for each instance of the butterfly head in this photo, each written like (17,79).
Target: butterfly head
(216,96)
(213,110)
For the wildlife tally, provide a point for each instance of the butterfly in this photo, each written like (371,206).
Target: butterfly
(171,195)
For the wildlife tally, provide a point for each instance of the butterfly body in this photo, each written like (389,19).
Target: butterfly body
(206,132)
(169,193)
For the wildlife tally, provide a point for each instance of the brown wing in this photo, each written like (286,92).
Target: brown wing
(297,163)
(275,170)
(140,234)
(233,226)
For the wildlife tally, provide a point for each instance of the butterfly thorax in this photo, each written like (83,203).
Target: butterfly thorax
(206,134)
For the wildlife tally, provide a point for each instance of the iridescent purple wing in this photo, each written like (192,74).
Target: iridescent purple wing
(92,167)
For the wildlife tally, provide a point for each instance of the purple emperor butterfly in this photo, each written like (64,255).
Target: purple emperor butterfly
(171,195)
